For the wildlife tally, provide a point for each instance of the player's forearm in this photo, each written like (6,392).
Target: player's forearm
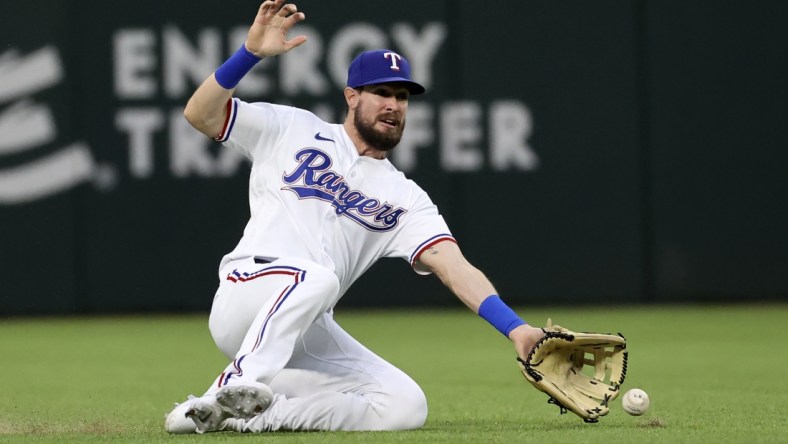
(473,288)
(207,108)
(467,282)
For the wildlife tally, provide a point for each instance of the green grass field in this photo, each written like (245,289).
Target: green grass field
(715,374)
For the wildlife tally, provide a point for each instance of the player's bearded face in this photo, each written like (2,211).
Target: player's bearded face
(380,129)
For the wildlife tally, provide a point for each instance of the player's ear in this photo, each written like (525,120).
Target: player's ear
(351,97)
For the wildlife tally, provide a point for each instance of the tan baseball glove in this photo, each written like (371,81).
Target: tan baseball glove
(580,372)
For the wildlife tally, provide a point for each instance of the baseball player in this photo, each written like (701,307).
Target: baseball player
(325,205)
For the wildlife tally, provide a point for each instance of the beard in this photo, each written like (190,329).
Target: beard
(381,141)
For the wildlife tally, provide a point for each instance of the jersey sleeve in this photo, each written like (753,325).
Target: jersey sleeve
(423,227)
(253,128)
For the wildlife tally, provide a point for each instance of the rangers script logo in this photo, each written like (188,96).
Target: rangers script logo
(312,179)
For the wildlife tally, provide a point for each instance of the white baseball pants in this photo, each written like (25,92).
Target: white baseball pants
(274,320)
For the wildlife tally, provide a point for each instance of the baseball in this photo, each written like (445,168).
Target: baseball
(635,402)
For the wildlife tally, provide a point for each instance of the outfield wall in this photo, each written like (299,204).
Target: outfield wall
(580,151)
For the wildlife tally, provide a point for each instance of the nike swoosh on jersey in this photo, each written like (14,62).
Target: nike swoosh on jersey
(319,137)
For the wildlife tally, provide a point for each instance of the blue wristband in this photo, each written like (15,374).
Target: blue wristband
(235,68)
(499,315)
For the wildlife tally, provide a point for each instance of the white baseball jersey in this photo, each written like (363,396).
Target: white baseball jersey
(312,196)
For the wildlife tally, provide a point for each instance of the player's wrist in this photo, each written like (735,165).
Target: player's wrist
(499,315)
(236,67)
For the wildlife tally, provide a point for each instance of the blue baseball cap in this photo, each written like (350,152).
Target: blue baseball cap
(381,66)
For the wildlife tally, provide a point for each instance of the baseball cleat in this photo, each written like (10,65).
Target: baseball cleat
(211,412)
(206,414)
(244,401)
(176,421)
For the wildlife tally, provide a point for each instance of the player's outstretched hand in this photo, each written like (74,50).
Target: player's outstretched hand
(268,34)
(524,338)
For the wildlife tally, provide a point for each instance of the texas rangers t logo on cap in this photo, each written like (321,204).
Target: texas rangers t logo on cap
(381,66)
(394,59)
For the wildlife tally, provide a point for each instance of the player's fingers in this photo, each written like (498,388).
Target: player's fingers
(287,10)
(292,20)
(269,8)
(295,41)
(265,7)
(265,12)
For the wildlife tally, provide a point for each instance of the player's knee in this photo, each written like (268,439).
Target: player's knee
(326,280)
(416,404)
(227,342)
(225,333)
(407,409)
(323,284)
